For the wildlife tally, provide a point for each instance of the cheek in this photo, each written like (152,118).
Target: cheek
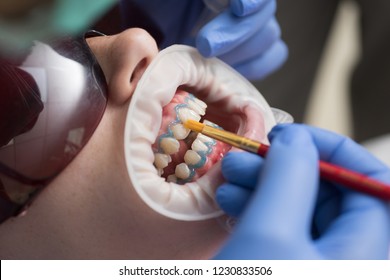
(108,145)
(106,151)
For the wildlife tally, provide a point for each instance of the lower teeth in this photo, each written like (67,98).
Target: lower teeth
(182,171)
(161,160)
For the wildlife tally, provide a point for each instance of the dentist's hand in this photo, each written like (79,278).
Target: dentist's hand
(286,213)
(246,36)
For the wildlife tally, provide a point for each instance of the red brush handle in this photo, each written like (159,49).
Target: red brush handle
(354,180)
(347,178)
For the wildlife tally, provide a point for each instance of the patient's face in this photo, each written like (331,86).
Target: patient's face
(142,188)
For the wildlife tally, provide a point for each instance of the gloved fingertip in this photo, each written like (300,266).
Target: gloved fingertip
(281,52)
(243,7)
(238,8)
(232,157)
(228,158)
(266,64)
(229,161)
(204,46)
(283,49)
(275,27)
(222,197)
(276,130)
(294,134)
(231,202)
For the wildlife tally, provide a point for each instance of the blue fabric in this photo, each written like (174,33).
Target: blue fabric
(174,18)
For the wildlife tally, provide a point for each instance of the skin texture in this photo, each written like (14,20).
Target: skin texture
(91,211)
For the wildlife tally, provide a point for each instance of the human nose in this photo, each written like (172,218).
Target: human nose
(123,58)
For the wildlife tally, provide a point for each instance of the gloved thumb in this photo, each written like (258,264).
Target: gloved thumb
(287,188)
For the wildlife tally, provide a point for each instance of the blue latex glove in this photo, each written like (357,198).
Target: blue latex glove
(286,213)
(245,35)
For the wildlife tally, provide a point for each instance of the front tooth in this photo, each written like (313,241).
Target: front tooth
(191,157)
(182,171)
(200,103)
(161,160)
(170,145)
(180,132)
(204,138)
(186,114)
(199,146)
(196,107)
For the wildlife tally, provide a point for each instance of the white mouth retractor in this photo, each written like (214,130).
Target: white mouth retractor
(172,67)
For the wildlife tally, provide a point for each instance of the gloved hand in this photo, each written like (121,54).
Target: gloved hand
(245,35)
(285,212)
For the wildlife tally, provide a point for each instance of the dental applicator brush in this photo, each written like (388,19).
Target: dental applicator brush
(330,172)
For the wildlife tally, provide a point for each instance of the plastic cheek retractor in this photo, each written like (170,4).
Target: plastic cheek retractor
(232,102)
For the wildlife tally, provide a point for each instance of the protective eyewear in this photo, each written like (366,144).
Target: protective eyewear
(51,101)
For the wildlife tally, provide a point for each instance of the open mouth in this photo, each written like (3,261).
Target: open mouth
(182,156)
(176,171)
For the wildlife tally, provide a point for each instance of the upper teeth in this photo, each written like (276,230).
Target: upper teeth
(200,103)
(196,107)
(188,114)
(180,132)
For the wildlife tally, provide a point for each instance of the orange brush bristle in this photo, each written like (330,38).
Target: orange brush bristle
(194,125)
